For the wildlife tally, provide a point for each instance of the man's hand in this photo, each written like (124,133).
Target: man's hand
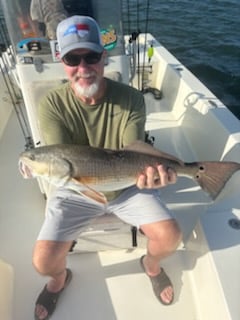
(154,178)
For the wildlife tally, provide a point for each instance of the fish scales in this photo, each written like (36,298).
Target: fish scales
(101,170)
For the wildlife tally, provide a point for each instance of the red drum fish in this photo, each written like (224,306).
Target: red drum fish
(85,168)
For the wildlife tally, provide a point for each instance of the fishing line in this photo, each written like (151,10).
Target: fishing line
(138,45)
(128,18)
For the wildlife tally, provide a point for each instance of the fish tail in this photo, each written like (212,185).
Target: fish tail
(212,176)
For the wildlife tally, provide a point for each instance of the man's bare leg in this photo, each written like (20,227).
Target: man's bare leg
(49,259)
(163,239)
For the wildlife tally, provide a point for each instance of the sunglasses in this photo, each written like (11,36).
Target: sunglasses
(74,60)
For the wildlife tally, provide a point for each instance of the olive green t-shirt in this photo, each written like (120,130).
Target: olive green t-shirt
(115,122)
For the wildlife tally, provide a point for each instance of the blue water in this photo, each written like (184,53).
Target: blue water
(203,34)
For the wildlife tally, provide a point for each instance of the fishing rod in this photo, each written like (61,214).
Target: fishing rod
(7,61)
(145,43)
(134,44)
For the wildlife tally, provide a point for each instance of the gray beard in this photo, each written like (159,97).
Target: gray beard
(87,92)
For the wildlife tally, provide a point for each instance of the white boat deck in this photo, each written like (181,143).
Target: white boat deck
(110,284)
(107,285)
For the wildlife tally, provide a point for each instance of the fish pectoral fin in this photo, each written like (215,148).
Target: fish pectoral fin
(90,192)
(97,196)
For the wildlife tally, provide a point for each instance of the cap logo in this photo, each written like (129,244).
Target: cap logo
(81,29)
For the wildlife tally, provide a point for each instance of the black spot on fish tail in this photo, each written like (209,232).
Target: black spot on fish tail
(212,176)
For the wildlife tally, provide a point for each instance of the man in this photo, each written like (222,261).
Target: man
(48,13)
(93,110)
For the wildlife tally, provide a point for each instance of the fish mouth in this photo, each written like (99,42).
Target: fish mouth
(25,170)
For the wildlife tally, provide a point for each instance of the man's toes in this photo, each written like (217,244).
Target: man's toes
(167,294)
(40,312)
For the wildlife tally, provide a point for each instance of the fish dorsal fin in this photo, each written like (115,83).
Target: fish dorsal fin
(143,147)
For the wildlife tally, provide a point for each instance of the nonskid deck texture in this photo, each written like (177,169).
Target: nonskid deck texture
(106,285)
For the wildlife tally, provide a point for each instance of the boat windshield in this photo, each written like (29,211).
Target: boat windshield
(32,24)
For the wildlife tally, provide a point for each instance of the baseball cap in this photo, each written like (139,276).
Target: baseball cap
(78,32)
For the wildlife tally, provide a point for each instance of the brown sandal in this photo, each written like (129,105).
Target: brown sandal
(159,283)
(49,299)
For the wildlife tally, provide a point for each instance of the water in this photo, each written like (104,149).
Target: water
(203,34)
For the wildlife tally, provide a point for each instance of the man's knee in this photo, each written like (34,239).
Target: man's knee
(48,255)
(165,232)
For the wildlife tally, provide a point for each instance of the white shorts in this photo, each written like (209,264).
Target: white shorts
(68,213)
